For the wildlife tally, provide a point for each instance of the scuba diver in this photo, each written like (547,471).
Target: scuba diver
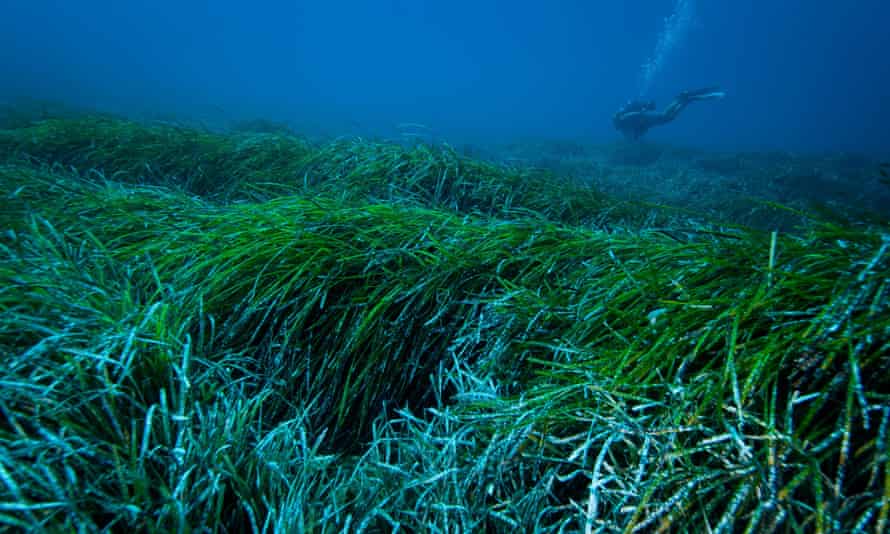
(636,117)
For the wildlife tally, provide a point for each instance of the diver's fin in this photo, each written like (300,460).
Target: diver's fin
(708,93)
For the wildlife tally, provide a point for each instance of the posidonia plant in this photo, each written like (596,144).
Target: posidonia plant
(230,333)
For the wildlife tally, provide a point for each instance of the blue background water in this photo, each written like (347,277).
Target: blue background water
(800,74)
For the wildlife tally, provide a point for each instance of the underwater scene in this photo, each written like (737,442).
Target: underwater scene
(392,266)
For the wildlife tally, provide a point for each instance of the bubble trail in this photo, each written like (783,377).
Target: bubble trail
(675,28)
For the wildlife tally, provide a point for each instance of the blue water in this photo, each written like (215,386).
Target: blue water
(803,75)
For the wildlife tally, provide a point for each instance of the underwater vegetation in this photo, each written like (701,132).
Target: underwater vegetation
(231,332)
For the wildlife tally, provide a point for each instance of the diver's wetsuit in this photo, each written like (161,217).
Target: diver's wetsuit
(636,117)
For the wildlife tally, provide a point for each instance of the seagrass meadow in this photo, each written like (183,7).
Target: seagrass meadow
(244,332)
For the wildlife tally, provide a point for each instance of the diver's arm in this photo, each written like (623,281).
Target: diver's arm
(632,124)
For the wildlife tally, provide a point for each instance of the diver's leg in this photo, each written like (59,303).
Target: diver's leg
(683,99)
(670,113)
